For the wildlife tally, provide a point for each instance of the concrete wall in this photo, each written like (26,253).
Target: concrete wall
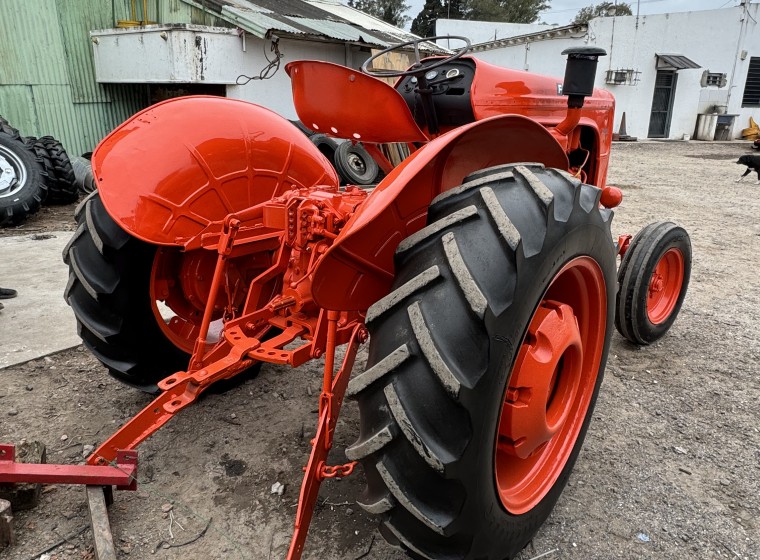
(203,55)
(714,39)
(275,93)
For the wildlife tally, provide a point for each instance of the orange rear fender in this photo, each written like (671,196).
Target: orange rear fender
(176,169)
(358,269)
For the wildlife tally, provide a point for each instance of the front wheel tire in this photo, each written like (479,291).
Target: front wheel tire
(484,363)
(653,279)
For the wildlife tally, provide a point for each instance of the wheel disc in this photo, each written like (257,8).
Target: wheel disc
(551,386)
(180,282)
(665,286)
(12,173)
(357,164)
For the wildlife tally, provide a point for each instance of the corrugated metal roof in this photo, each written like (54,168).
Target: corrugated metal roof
(677,61)
(320,19)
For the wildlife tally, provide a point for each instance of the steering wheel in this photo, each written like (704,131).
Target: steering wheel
(416,68)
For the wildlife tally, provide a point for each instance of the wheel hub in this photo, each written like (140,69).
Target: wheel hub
(357,164)
(12,173)
(551,386)
(665,286)
(656,285)
(545,381)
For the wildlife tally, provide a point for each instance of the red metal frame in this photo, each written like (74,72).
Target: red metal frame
(255,231)
(123,474)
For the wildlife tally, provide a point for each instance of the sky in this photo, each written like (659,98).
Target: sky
(563,11)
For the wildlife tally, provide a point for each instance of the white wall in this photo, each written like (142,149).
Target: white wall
(275,93)
(196,54)
(711,38)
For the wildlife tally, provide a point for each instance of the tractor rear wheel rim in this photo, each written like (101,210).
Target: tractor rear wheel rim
(665,286)
(178,281)
(551,387)
(12,173)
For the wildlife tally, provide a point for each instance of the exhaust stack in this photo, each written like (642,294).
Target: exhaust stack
(580,74)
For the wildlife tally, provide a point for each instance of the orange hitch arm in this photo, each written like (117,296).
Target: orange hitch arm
(330,401)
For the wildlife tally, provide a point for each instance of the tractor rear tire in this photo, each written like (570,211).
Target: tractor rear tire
(62,187)
(108,289)
(508,249)
(653,279)
(22,178)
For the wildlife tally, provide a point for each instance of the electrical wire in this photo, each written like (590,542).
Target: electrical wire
(579,7)
(270,69)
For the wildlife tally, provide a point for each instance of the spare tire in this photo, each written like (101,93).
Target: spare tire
(7,129)
(22,185)
(83,175)
(303,128)
(355,165)
(326,145)
(62,187)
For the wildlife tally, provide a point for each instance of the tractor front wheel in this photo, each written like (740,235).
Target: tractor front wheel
(653,279)
(485,362)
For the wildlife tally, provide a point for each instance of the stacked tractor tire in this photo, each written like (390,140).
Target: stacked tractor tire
(33,172)
(351,161)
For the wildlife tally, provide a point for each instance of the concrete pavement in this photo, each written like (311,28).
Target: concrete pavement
(37,322)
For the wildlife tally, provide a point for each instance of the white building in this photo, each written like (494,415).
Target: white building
(663,69)
(215,46)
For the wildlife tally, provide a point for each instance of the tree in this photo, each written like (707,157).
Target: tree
(512,11)
(424,24)
(603,9)
(515,11)
(391,11)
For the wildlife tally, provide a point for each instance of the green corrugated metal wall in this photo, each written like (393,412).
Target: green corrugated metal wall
(47,74)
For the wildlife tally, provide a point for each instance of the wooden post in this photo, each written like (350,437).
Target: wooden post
(101,528)
(6,525)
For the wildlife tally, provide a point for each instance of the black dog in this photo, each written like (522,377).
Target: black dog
(752,163)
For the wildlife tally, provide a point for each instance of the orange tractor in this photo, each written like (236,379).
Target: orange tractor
(481,269)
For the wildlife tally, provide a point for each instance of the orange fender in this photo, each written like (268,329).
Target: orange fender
(358,269)
(171,171)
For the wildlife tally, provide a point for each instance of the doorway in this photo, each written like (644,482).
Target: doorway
(662,104)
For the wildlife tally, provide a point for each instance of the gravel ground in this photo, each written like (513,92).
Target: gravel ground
(670,468)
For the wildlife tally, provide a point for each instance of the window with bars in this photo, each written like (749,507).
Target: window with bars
(716,79)
(752,87)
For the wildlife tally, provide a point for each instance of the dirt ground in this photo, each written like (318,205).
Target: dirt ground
(670,467)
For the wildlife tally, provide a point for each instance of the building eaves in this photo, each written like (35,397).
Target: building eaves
(572,30)
(325,20)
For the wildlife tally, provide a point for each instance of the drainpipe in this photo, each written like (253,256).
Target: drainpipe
(739,44)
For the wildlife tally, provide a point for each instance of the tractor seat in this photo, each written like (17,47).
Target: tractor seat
(345,103)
